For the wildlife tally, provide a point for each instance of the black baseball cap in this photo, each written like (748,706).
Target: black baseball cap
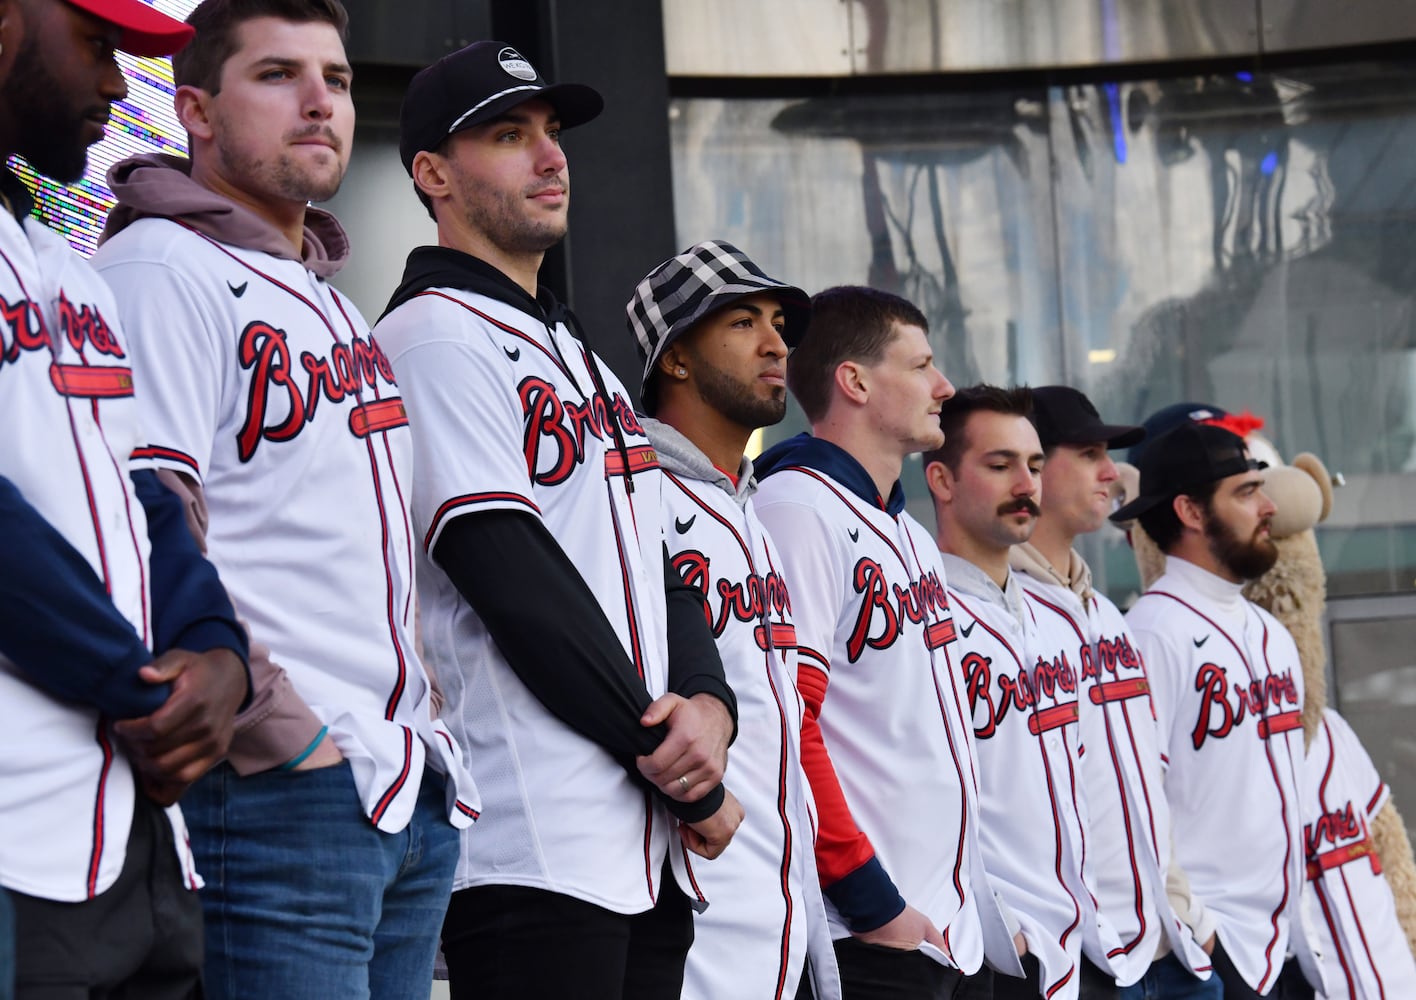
(1064,415)
(1189,456)
(476,84)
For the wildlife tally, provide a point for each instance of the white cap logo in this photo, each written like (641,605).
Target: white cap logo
(515,65)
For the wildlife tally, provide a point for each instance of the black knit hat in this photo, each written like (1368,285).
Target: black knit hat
(474,85)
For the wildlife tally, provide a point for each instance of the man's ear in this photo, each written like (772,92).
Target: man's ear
(430,174)
(193,108)
(940,482)
(671,363)
(1190,512)
(853,382)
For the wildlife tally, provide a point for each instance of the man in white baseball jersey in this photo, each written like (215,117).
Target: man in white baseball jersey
(328,839)
(887,746)
(1128,843)
(1018,668)
(99,574)
(1227,687)
(580,673)
(714,332)
(1365,955)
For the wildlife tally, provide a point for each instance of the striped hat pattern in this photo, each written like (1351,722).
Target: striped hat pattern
(687,287)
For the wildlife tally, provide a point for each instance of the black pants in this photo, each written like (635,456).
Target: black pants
(516,943)
(1095,984)
(1291,984)
(141,939)
(874,972)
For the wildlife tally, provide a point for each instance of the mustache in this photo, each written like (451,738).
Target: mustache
(1023,505)
(319,131)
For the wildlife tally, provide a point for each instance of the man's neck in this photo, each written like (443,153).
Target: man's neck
(288,217)
(1195,549)
(881,464)
(1054,544)
(522,268)
(720,439)
(992,561)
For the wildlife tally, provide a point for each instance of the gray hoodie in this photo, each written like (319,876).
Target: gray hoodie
(679,455)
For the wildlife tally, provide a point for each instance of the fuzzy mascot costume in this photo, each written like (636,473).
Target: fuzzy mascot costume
(1294,591)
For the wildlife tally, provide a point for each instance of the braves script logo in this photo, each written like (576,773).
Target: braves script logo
(1046,680)
(1330,829)
(1111,656)
(556,430)
(747,601)
(293,391)
(82,326)
(1218,717)
(884,609)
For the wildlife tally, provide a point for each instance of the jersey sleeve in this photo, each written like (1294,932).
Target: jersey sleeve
(180,349)
(851,875)
(466,420)
(1353,758)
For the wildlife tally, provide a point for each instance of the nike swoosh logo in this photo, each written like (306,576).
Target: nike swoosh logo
(965,631)
(513,352)
(238,290)
(682,526)
(1201,642)
(854,533)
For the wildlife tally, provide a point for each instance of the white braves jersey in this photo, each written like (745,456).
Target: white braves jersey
(1128,817)
(1365,954)
(262,383)
(505,417)
(873,620)
(767,912)
(1228,692)
(1022,693)
(66,401)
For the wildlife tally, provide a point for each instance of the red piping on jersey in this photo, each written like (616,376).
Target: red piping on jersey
(1100,693)
(154,453)
(397,786)
(770,636)
(504,328)
(469,499)
(1325,861)
(1273,770)
(73,434)
(99,809)
(1051,795)
(807,471)
(648,835)
(631,613)
(401,681)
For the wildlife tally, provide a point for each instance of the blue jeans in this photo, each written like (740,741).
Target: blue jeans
(1168,979)
(305,899)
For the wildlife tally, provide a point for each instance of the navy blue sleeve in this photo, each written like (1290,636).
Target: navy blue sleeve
(58,624)
(190,607)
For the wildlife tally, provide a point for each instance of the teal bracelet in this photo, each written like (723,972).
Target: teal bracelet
(296,761)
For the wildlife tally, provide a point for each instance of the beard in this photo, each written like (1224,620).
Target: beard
(1248,559)
(736,401)
(49,134)
(282,178)
(502,218)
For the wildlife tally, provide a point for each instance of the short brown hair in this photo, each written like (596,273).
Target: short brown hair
(216,21)
(848,323)
(954,416)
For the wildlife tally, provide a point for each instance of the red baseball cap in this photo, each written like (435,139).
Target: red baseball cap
(146,30)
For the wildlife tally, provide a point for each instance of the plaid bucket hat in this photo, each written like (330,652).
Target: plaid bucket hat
(685,288)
